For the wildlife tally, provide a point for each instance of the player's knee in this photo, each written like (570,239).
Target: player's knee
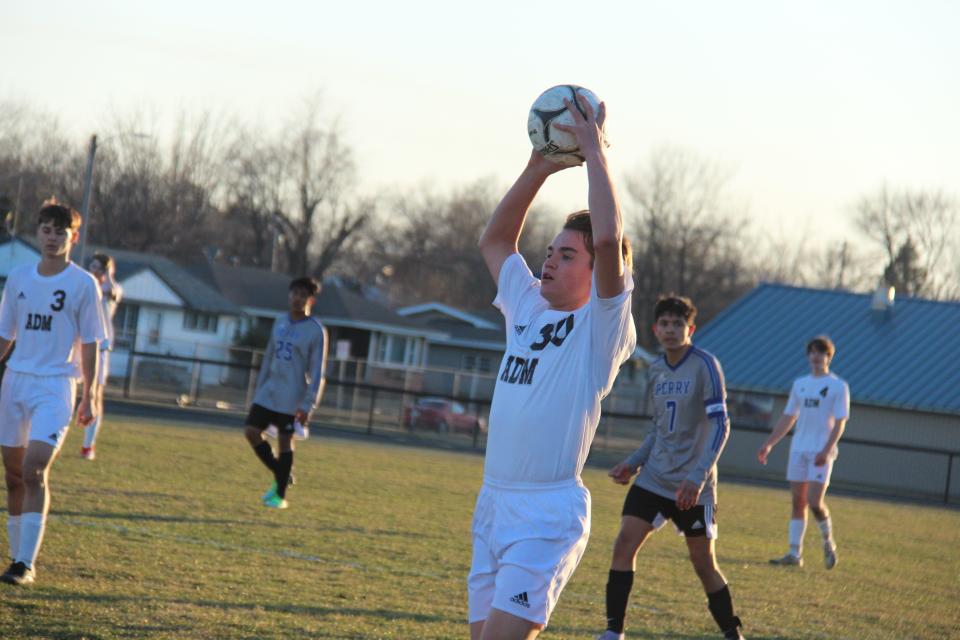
(819,510)
(34,476)
(626,545)
(13,479)
(254,436)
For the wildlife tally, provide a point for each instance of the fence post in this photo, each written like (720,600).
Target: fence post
(946,490)
(195,381)
(373,404)
(129,378)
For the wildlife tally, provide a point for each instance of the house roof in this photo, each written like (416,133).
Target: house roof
(903,357)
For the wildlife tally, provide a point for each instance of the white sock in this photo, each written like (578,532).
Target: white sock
(826,528)
(797,529)
(13,535)
(90,433)
(32,525)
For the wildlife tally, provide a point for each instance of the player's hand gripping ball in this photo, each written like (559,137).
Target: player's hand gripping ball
(549,110)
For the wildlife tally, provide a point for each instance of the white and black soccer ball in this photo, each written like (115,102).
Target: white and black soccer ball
(547,110)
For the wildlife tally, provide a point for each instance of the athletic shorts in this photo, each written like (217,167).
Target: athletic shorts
(527,542)
(103,372)
(261,418)
(801,468)
(699,521)
(35,408)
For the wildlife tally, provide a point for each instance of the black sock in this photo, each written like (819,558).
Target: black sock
(619,584)
(265,452)
(282,473)
(720,604)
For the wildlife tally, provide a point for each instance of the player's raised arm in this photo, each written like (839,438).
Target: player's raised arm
(605,217)
(499,239)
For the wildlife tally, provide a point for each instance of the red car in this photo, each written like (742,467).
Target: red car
(441,415)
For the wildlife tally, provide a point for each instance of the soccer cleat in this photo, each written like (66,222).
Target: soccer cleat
(271,492)
(611,635)
(88,453)
(271,431)
(733,634)
(276,502)
(829,555)
(300,430)
(788,560)
(18,573)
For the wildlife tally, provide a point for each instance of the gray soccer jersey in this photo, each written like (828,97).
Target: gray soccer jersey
(291,375)
(690,426)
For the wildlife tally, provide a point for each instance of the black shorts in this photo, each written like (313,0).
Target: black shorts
(261,418)
(646,505)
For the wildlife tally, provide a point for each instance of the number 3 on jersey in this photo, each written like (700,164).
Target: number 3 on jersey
(284,350)
(672,408)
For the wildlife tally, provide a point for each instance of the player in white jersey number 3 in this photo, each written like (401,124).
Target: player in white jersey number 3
(567,335)
(819,404)
(52,310)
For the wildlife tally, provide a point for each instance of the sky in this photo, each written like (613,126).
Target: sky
(805,105)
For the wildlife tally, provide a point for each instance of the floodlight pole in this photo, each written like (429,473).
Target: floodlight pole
(85,206)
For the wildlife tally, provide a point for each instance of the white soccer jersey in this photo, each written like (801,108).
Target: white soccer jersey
(110,309)
(557,367)
(817,402)
(49,317)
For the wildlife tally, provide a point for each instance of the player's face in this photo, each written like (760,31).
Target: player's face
(819,361)
(98,270)
(300,300)
(55,241)
(673,331)
(567,274)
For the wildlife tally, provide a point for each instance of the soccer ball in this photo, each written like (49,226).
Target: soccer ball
(547,110)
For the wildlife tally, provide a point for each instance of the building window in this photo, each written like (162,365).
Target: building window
(480,364)
(125,325)
(198,321)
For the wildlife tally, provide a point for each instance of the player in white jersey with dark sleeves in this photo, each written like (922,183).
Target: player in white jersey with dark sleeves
(567,335)
(819,404)
(52,309)
(289,386)
(678,467)
(102,268)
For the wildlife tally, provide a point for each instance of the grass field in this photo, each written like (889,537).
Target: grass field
(164,537)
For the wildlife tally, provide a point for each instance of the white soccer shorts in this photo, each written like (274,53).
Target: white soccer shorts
(104,370)
(801,468)
(35,408)
(527,542)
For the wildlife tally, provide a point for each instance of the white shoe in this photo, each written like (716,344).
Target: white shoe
(788,560)
(271,431)
(610,635)
(829,555)
(300,431)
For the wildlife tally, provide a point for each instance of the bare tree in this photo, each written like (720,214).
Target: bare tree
(687,235)
(914,227)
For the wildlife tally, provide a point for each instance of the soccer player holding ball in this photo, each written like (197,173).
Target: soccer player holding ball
(819,404)
(289,386)
(678,467)
(52,309)
(568,332)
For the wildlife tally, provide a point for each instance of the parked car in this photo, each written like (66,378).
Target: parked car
(441,415)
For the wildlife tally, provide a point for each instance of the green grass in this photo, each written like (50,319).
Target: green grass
(163,537)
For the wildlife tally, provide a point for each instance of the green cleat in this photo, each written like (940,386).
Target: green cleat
(271,493)
(276,502)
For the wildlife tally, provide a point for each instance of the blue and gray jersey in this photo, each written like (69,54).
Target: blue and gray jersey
(292,372)
(690,426)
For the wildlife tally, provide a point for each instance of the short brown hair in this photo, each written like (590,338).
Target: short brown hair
(580,221)
(104,260)
(822,344)
(60,216)
(673,304)
(308,284)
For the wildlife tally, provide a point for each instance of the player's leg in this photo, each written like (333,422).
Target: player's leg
(701,546)
(258,419)
(640,517)
(13,474)
(816,495)
(91,431)
(36,503)
(284,466)
(501,625)
(797,474)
